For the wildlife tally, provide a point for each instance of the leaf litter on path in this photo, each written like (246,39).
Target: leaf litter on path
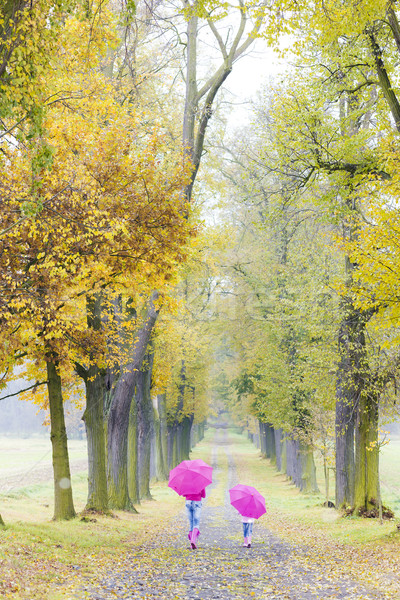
(164,566)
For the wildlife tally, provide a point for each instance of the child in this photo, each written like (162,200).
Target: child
(247,531)
(193,511)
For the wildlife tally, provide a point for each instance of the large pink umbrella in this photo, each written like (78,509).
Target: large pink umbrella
(190,477)
(247,501)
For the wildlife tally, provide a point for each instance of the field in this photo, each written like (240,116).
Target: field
(26,474)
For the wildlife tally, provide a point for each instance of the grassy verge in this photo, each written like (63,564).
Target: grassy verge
(47,560)
(289,505)
(44,560)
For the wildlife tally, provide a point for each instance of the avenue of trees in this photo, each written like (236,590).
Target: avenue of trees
(111,285)
(98,159)
(313,273)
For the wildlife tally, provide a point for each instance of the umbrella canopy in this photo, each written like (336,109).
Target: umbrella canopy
(190,477)
(247,501)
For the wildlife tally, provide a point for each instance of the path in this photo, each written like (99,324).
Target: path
(165,566)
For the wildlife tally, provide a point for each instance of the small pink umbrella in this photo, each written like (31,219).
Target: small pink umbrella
(247,501)
(190,477)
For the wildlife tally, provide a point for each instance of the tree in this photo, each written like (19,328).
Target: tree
(78,233)
(348,157)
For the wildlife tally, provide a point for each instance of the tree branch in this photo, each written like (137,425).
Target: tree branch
(35,385)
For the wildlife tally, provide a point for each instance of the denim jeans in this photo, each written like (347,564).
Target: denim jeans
(247,529)
(193,510)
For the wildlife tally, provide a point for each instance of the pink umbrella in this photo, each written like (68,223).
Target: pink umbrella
(247,501)
(190,477)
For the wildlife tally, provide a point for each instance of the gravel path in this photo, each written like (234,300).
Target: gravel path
(166,567)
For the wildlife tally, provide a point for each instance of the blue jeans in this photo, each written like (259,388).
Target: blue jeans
(193,510)
(247,529)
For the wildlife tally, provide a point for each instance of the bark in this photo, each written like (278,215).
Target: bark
(202,427)
(185,431)
(193,140)
(172,446)
(94,379)
(278,448)
(178,434)
(63,502)
(95,433)
(133,471)
(270,441)
(394,25)
(344,452)
(326,479)
(1,522)
(349,390)
(153,448)
(12,12)
(263,441)
(145,426)
(300,465)
(308,478)
(384,80)
(161,440)
(292,448)
(284,454)
(118,418)
(366,489)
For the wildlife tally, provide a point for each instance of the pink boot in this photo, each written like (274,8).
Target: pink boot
(245,542)
(195,535)
(190,536)
(249,541)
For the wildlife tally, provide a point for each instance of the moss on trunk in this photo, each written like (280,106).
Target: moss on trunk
(63,503)
(95,433)
(366,492)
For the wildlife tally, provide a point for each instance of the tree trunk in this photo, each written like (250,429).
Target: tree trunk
(172,439)
(278,448)
(326,478)
(161,440)
(1,522)
(118,418)
(270,440)
(170,442)
(63,503)
(93,416)
(145,426)
(133,471)
(366,454)
(263,441)
(186,427)
(291,459)
(308,478)
(284,454)
(350,387)
(95,433)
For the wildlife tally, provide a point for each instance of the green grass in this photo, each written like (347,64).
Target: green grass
(43,560)
(390,475)
(288,505)
(40,555)
(25,454)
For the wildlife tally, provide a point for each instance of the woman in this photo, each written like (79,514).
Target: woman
(193,510)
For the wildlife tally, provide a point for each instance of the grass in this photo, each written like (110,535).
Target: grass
(286,502)
(25,454)
(45,560)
